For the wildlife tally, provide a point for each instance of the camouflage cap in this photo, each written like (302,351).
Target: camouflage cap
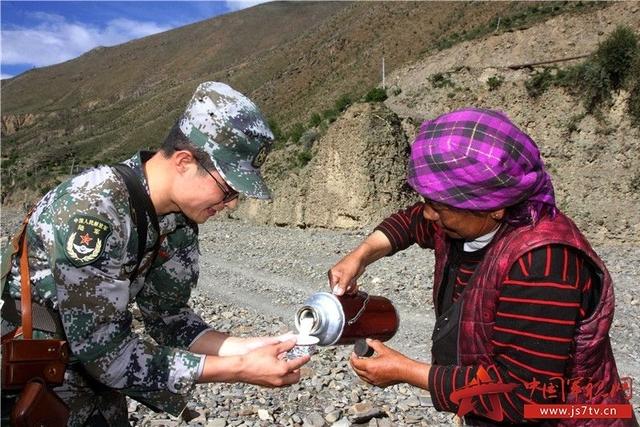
(231,129)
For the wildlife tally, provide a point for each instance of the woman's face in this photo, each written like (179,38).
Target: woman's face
(459,223)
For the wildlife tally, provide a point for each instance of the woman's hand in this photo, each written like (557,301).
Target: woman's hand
(344,275)
(388,367)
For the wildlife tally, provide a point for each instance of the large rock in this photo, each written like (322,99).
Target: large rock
(11,123)
(356,176)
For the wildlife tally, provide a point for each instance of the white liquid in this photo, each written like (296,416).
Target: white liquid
(306,325)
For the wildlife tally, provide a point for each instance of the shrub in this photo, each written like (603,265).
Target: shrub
(330,115)
(343,102)
(616,55)
(574,121)
(633,105)
(308,138)
(296,132)
(304,157)
(377,94)
(595,85)
(569,78)
(440,80)
(494,82)
(539,82)
(315,120)
(275,128)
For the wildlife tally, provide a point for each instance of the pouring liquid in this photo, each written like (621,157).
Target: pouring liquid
(306,325)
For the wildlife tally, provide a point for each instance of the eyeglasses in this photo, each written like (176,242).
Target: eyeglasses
(229,194)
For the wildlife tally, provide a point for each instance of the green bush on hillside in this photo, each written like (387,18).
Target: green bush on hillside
(494,82)
(303,158)
(614,65)
(440,80)
(343,102)
(377,94)
(616,55)
(595,84)
(539,82)
(633,106)
(315,120)
(296,132)
(330,115)
(275,128)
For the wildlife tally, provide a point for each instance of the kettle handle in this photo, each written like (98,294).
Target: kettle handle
(355,318)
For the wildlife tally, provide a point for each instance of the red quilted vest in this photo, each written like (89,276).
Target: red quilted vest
(592,358)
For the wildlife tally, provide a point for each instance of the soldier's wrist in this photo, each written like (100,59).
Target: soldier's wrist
(223,369)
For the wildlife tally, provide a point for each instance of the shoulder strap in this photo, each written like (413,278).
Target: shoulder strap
(25,291)
(141,207)
(23,311)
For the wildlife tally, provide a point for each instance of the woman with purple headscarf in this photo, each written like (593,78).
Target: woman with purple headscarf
(523,303)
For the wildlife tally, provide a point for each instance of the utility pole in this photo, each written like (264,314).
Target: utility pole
(383,82)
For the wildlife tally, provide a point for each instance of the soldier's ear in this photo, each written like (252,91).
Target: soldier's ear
(182,160)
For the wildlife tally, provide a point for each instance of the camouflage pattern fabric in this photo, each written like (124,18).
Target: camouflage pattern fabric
(231,129)
(82,249)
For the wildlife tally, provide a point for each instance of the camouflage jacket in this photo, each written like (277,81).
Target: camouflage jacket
(83,246)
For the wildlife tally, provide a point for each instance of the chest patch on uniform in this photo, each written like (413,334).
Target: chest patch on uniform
(86,241)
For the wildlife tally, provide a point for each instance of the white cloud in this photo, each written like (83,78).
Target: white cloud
(54,39)
(5,76)
(238,5)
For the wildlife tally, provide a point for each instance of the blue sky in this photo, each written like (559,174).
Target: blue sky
(36,34)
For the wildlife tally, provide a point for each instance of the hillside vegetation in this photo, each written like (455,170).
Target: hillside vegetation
(297,60)
(590,145)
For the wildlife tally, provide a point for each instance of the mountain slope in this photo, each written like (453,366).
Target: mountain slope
(294,59)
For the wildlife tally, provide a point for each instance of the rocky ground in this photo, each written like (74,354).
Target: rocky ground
(253,279)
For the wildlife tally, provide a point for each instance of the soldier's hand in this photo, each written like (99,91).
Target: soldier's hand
(236,346)
(265,367)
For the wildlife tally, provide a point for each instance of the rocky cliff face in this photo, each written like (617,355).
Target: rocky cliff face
(356,176)
(11,123)
(358,169)
(594,161)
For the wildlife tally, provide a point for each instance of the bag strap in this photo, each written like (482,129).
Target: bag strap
(25,291)
(41,317)
(18,245)
(141,207)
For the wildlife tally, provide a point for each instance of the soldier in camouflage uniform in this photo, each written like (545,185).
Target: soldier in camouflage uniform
(83,247)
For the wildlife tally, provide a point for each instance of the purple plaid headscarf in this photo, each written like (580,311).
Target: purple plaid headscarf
(478,160)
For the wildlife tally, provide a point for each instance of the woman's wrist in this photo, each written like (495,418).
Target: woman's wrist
(416,373)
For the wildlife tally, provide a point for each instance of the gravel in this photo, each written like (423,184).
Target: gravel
(253,278)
